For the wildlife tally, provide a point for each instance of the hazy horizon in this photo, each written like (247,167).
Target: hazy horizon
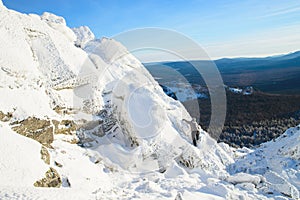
(237,57)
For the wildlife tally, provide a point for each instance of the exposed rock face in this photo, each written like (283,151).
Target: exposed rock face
(67,127)
(43,130)
(37,129)
(64,111)
(52,179)
(45,156)
(58,164)
(5,117)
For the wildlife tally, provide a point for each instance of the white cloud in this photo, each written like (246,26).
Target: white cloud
(283,11)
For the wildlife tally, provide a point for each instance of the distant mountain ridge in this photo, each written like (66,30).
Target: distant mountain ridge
(273,74)
(279,56)
(279,61)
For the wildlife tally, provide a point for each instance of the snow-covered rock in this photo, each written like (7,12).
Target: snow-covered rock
(244,178)
(277,161)
(84,35)
(59,23)
(174,171)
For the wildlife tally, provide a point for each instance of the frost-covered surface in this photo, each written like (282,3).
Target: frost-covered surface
(84,35)
(133,142)
(278,162)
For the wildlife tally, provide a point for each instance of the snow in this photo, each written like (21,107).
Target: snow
(58,23)
(34,102)
(236,90)
(20,160)
(1,5)
(144,151)
(174,171)
(108,49)
(184,91)
(245,91)
(77,167)
(84,35)
(277,161)
(244,178)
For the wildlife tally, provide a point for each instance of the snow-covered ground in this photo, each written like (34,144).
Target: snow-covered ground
(277,161)
(129,140)
(245,91)
(184,91)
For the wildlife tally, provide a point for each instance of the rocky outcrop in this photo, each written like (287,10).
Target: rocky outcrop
(67,127)
(42,130)
(52,179)
(34,128)
(45,156)
(5,117)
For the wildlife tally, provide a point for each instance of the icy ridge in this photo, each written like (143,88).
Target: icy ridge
(84,35)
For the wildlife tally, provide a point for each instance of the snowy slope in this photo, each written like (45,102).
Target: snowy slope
(278,161)
(116,135)
(19,155)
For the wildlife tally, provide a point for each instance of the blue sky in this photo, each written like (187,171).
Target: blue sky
(224,28)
